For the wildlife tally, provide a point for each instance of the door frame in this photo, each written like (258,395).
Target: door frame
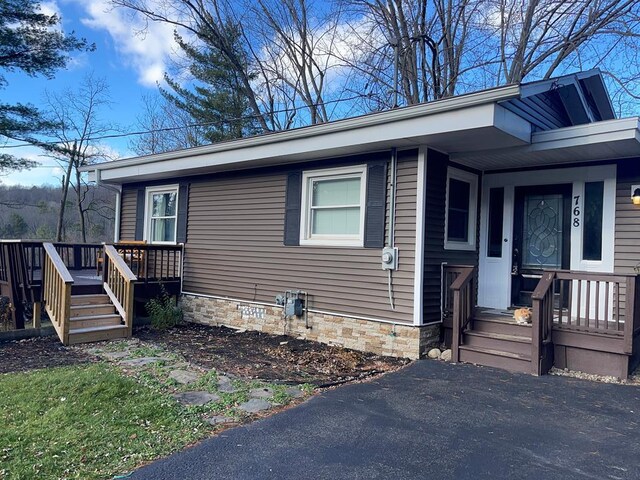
(494,286)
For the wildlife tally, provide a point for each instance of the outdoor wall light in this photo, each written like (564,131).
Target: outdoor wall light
(635,194)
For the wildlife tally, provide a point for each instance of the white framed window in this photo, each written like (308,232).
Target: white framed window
(333,206)
(161,214)
(461,210)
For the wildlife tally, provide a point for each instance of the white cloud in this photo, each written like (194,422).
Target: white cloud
(146,47)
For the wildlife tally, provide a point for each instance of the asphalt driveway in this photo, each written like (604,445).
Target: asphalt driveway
(432,420)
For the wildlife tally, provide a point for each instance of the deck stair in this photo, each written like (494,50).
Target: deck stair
(495,340)
(94,318)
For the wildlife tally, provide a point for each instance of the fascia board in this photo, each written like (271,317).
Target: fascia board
(365,138)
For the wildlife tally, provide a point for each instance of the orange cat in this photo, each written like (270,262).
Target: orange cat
(522,315)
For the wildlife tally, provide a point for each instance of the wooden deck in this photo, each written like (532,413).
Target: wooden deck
(86,269)
(582,321)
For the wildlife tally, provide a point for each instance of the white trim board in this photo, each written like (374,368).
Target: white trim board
(418,294)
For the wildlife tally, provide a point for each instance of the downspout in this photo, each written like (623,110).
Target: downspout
(118,190)
(392,217)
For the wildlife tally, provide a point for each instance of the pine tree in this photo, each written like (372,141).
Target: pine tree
(30,42)
(215,98)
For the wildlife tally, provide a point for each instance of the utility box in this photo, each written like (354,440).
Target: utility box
(389,258)
(294,307)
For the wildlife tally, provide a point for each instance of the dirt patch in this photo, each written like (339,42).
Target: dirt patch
(40,352)
(274,358)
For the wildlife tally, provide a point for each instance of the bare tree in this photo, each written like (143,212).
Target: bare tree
(76,112)
(447,47)
(163,127)
(282,60)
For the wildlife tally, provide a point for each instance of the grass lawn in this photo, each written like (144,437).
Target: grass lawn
(88,422)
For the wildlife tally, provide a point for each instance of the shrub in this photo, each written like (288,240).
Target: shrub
(164,311)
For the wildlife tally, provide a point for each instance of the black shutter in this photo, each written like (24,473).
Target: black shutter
(183,202)
(376,198)
(140,214)
(293,201)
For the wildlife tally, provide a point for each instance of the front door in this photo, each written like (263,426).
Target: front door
(541,236)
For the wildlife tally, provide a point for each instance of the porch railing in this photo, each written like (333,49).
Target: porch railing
(449,275)
(463,288)
(119,284)
(152,262)
(599,303)
(56,292)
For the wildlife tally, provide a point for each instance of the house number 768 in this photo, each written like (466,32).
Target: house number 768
(576,211)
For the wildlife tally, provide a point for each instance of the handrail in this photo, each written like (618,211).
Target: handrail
(541,321)
(463,295)
(56,294)
(119,284)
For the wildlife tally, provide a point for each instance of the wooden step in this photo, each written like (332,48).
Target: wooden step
(93,299)
(87,310)
(498,341)
(97,334)
(89,321)
(487,357)
(500,324)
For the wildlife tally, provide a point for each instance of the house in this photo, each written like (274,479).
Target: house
(390,231)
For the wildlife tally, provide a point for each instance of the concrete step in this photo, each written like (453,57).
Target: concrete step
(500,324)
(88,310)
(498,341)
(93,299)
(487,357)
(97,334)
(92,321)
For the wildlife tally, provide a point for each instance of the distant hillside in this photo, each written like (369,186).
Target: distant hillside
(32,213)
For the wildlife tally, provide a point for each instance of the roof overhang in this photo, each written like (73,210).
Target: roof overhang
(606,140)
(467,123)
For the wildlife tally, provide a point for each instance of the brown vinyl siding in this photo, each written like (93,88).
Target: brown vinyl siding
(627,246)
(128,203)
(434,252)
(235,249)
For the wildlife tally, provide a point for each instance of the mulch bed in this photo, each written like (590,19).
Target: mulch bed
(247,354)
(39,352)
(275,358)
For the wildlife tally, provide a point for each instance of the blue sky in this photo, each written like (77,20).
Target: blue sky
(130,63)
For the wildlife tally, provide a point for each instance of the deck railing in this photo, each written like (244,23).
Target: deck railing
(463,288)
(119,284)
(449,275)
(152,262)
(542,301)
(56,292)
(597,303)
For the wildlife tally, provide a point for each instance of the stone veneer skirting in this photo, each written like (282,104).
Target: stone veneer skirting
(394,340)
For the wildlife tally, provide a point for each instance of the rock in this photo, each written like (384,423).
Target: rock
(114,355)
(434,353)
(219,419)
(446,355)
(196,398)
(141,362)
(225,385)
(184,376)
(294,392)
(261,393)
(254,405)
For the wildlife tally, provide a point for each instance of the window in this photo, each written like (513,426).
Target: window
(496,217)
(333,206)
(460,217)
(592,232)
(161,214)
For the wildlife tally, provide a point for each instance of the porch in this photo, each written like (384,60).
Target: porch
(582,321)
(87,292)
